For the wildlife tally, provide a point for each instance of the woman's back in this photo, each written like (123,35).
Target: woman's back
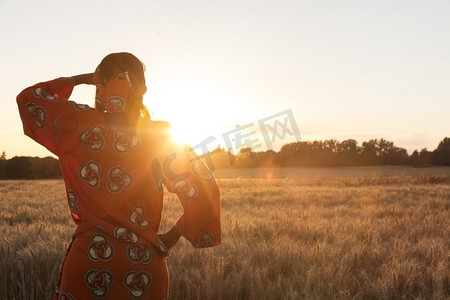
(114,176)
(110,171)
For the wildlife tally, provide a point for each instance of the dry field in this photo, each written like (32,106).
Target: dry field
(357,237)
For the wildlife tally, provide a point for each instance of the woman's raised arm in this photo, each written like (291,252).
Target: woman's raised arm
(186,175)
(45,110)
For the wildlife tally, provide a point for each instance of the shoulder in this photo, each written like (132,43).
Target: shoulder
(161,125)
(157,127)
(156,132)
(80,114)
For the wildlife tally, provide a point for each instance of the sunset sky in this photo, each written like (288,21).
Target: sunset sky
(345,69)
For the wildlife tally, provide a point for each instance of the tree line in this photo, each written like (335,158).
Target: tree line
(331,153)
(327,153)
(24,167)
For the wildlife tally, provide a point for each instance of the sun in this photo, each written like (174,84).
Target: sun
(190,135)
(196,112)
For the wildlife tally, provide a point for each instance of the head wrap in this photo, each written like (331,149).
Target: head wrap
(116,95)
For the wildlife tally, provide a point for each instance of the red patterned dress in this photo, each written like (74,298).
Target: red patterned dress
(114,183)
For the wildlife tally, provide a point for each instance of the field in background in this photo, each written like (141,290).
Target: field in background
(329,172)
(318,236)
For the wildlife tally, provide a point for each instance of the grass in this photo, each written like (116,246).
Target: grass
(326,237)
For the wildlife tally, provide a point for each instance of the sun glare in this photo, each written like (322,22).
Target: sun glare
(195,111)
(183,134)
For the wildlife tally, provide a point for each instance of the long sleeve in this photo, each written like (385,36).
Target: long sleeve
(44,109)
(186,175)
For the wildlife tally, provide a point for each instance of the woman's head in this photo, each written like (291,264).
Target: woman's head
(116,63)
(110,77)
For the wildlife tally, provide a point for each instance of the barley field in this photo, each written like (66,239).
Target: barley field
(358,236)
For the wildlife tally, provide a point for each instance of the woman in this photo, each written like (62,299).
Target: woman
(114,160)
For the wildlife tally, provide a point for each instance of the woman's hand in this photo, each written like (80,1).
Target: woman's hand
(171,237)
(83,79)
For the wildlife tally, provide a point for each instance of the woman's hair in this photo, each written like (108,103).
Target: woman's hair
(116,63)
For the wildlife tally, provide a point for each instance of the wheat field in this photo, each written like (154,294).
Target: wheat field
(357,237)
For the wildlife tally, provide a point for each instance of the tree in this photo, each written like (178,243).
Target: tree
(45,168)
(424,158)
(348,146)
(19,167)
(348,153)
(413,159)
(243,158)
(441,156)
(370,152)
(221,159)
(3,162)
